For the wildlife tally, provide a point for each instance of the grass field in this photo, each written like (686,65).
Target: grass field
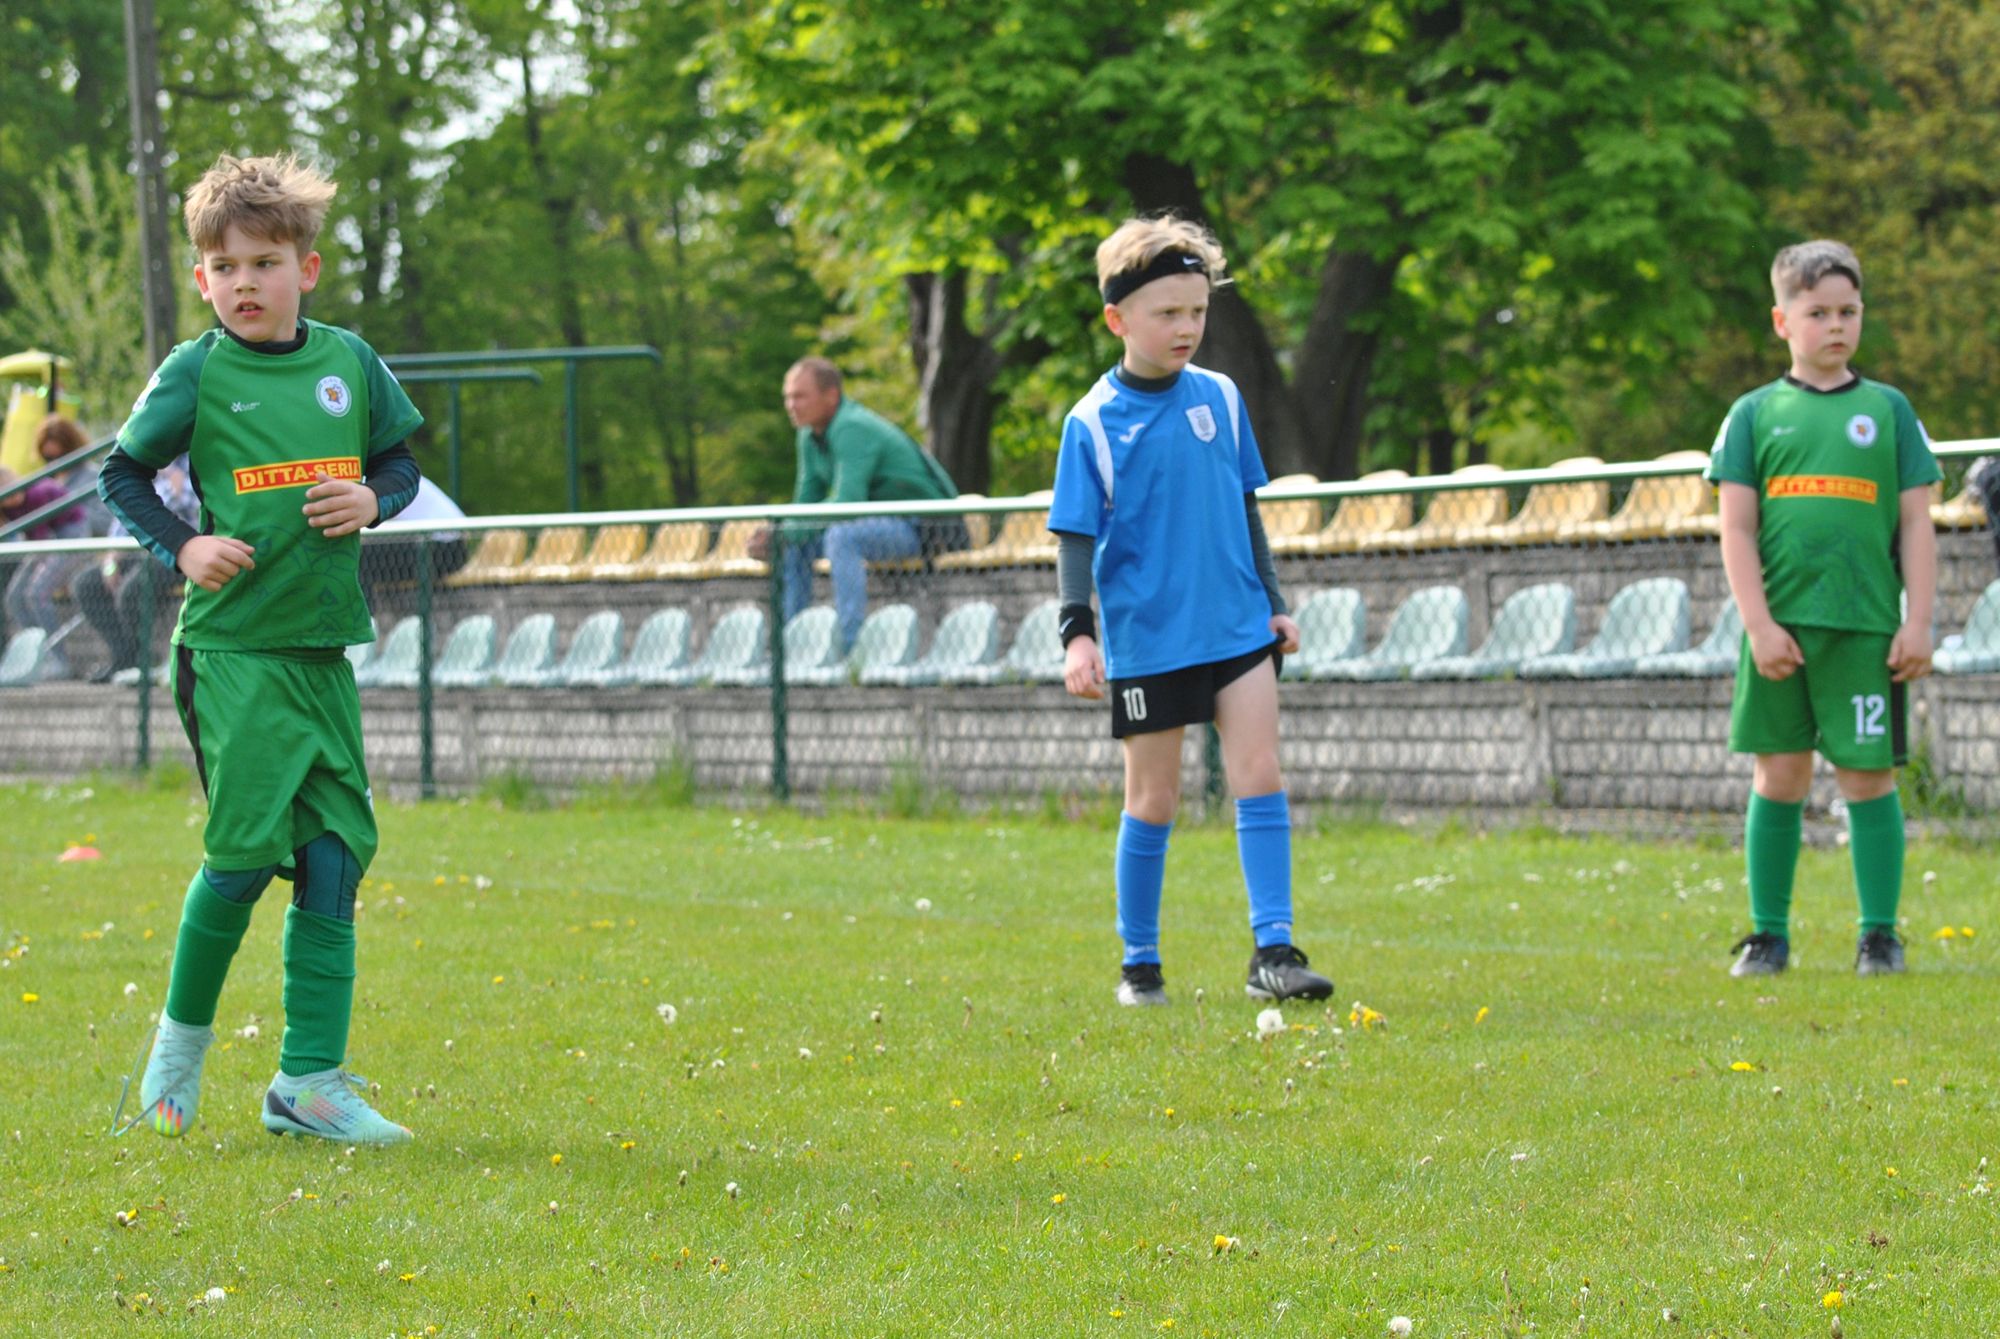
(871,1115)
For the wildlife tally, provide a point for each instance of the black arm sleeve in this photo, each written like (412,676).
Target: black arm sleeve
(1073,554)
(126,486)
(1260,554)
(393,474)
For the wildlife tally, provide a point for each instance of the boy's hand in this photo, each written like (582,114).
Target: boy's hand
(1910,653)
(1083,669)
(1283,625)
(211,560)
(1776,655)
(340,506)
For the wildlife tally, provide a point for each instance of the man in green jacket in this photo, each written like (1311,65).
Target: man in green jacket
(849,453)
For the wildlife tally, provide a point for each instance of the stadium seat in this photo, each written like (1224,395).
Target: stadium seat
(1429,624)
(967,636)
(1023,538)
(675,548)
(1293,519)
(1646,618)
(1356,518)
(1654,507)
(1535,621)
(1717,655)
(737,640)
(530,650)
(499,551)
(1333,625)
(811,644)
(467,658)
(731,554)
(1978,649)
(889,637)
(660,645)
(21,664)
(978,524)
(593,648)
(361,653)
(613,546)
(1035,655)
(556,549)
(1967,511)
(395,659)
(1449,517)
(1550,507)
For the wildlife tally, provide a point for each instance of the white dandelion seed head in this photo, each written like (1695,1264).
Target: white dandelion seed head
(214,1296)
(730,1190)
(667,1013)
(923,904)
(805,1053)
(1400,1325)
(1270,1022)
(131,989)
(381,1266)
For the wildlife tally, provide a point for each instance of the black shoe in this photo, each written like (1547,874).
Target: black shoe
(1142,983)
(1278,972)
(1762,955)
(1880,953)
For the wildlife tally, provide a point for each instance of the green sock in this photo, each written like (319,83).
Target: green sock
(1771,836)
(1875,841)
(319,992)
(211,928)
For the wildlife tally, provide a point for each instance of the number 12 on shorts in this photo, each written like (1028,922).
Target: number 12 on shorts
(1868,711)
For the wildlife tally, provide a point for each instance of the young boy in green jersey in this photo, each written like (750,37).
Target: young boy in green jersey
(1825,483)
(294,433)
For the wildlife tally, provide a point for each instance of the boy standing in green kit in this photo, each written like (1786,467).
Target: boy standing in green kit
(1824,479)
(294,433)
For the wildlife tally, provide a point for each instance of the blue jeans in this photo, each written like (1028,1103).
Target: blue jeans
(849,547)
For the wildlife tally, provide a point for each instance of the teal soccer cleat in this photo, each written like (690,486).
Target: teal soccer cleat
(328,1105)
(171,1088)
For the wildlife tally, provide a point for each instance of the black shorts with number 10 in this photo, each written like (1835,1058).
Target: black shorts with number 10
(1155,702)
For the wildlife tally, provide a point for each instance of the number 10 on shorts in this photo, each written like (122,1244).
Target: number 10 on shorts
(1135,703)
(1869,709)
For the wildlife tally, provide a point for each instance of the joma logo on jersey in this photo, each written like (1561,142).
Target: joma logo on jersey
(296,473)
(1821,485)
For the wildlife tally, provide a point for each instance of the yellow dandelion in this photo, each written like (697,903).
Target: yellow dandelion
(628,1145)
(406,1277)
(30,997)
(555,1159)
(1833,1301)
(498,979)
(1057,1198)
(1966,932)
(1224,1243)
(438,882)
(957,1102)
(1480,1017)
(1117,1313)
(1945,932)
(1901,1083)
(1889,1171)
(1170,1113)
(1743,1067)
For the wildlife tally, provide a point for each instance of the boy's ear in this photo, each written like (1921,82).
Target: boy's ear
(1114,320)
(309,272)
(1778,322)
(201,280)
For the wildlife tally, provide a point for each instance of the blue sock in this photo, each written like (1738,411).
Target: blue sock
(1142,869)
(1264,845)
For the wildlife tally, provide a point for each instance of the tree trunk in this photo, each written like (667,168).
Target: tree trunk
(562,251)
(1335,361)
(1235,344)
(956,369)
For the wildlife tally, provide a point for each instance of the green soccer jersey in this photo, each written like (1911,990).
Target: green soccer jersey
(258,428)
(1830,469)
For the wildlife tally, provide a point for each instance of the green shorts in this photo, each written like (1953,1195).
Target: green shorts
(1840,703)
(277,742)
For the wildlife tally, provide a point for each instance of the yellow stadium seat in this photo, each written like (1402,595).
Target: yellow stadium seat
(1297,517)
(498,551)
(1967,511)
(1550,507)
(1355,518)
(1654,508)
(731,554)
(675,547)
(613,545)
(556,550)
(1449,517)
(1024,538)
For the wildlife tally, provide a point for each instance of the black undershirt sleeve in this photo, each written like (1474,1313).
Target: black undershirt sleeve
(126,485)
(394,476)
(1260,554)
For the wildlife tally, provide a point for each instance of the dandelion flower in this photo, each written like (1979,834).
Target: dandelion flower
(923,904)
(1833,1301)
(1057,1198)
(1270,1022)
(1743,1067)
(1945,932)
(1480,1017)
(30,997)
(131,989)
(805,1053)
(1400,1326)
(1225,1244)
(214,1296)
(730,1190)
(1889,1171)
(667,1013)
(555,1159)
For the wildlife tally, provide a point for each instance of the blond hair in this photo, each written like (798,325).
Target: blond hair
(278,199)
(1800,268)
(1138,242)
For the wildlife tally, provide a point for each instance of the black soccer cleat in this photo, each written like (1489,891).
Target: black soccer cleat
(1880,953)
(1760,955)
(1142,983)
(1279,972)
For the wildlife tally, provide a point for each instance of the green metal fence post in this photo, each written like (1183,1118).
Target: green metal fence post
(781,777)
(426,727)
(143,754)
(457,444)
(570,417)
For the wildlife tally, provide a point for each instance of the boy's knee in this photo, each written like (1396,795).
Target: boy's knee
(1858,787)
(1784,777)
(325,877)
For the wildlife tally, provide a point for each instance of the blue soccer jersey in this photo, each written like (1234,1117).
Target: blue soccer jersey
(1157,479)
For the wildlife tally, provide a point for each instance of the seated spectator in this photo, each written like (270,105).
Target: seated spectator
(848,453)
(30,599)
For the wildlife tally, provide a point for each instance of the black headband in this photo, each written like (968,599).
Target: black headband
(1165,265)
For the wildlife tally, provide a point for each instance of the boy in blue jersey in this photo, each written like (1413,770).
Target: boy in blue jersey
(1154,498)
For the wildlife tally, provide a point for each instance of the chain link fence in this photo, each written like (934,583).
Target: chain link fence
(1557,640)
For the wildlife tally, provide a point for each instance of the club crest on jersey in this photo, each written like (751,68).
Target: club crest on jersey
(333,396)
(1861,431)
(1202,420)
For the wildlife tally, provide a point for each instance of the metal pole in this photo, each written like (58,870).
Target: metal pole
(457,444)
(569,428)
(142,70)
(781,770)
(426,726)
